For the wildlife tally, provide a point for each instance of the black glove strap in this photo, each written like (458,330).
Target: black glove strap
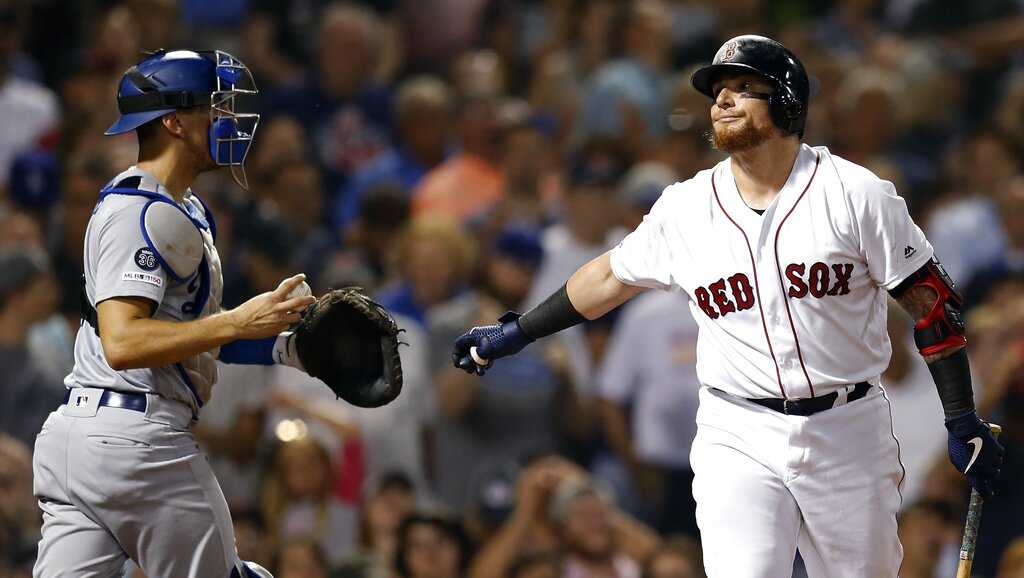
(553,315)
(952,377)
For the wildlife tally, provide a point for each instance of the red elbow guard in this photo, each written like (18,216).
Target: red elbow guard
(942,328)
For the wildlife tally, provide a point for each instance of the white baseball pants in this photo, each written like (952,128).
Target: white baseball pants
(768,483)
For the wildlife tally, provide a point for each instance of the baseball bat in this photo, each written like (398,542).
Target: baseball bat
(963,569)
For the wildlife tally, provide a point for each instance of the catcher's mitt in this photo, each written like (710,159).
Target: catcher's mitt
(350,342)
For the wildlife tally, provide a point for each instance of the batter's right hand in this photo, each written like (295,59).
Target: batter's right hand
(974,451)
(478,347)
(272,312)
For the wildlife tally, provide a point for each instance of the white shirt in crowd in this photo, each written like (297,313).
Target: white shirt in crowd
(650,364)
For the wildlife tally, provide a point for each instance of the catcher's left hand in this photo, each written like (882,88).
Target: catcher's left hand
(350,342)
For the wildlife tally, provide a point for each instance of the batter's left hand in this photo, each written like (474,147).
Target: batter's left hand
(974,451)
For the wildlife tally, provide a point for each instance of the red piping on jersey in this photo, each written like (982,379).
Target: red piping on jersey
(753,266)
(778,267)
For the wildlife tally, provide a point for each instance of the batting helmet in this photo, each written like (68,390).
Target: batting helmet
(166,81)
(774,62)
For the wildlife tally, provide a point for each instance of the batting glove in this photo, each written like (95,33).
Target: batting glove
(974,451)
(476,349)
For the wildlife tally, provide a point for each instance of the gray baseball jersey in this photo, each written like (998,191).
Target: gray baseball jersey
(118,483)
(122,261)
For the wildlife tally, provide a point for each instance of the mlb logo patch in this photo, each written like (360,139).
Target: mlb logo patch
(81,400)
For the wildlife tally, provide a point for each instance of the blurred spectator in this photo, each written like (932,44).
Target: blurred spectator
(917,418)
(344,113)
(521,408)
(627,98)
(251,538)
(590,226)
(298,501)
(982,167)
(282,140)
(1009,263)
(28,295)
(157,22)
(533,186)
(301,559)
(558,509)
(421,116)
(1012,563)
(389,504)
(299,195)
(850,25)
(924,530)
(478,74)
(594,547)
(429,46)
(469,183)
(377,230)
(648,388)
(29,112)
(230,431)
(435,260)
(19,517)
(536,566)
(432,546)
(266,258)
(640,188)
(679,557)
(115,44)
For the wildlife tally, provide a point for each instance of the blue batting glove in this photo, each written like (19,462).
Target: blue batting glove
(489,342)
(974,451)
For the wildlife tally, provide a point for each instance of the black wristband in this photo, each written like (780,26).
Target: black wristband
(952,377)
(553,315)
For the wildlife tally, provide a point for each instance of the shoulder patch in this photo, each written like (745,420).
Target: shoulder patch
(146,259)
(142,278)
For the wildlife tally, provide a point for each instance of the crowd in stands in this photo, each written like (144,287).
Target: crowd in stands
(461,159)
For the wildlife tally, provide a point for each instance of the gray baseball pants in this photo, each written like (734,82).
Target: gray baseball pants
(116,483)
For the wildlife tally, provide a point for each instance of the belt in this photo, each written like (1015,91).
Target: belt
(109,398)
(811,405)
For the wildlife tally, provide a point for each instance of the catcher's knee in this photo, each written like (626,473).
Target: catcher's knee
(250,570)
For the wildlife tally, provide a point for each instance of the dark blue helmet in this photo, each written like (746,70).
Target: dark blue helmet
(166,81)
(774,62)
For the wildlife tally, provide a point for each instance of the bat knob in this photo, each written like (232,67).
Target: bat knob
(476,357)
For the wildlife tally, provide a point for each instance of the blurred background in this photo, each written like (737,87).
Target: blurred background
(458,158)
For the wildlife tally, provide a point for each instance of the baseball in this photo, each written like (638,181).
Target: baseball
(300,291)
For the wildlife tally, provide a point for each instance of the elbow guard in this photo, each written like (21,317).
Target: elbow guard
(942,327)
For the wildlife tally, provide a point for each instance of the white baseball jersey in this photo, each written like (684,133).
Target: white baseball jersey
(791,303)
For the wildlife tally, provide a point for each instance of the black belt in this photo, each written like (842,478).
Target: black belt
(132,401)
(811,405)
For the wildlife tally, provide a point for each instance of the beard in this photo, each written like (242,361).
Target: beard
(732,139)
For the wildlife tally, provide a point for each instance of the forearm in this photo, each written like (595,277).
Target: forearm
(616,429)
(456,392)
(594,290)
(147,342)
(501,551)
(635,538)
(939,336)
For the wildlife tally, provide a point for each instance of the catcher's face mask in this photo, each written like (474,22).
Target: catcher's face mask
(166,81)
(231,132)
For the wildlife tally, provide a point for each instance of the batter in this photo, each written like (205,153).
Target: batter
(787,253)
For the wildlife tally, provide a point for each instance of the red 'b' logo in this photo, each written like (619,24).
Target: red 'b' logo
(730,51)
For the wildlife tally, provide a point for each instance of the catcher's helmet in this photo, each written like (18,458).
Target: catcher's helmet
(774,62)
(166,81)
